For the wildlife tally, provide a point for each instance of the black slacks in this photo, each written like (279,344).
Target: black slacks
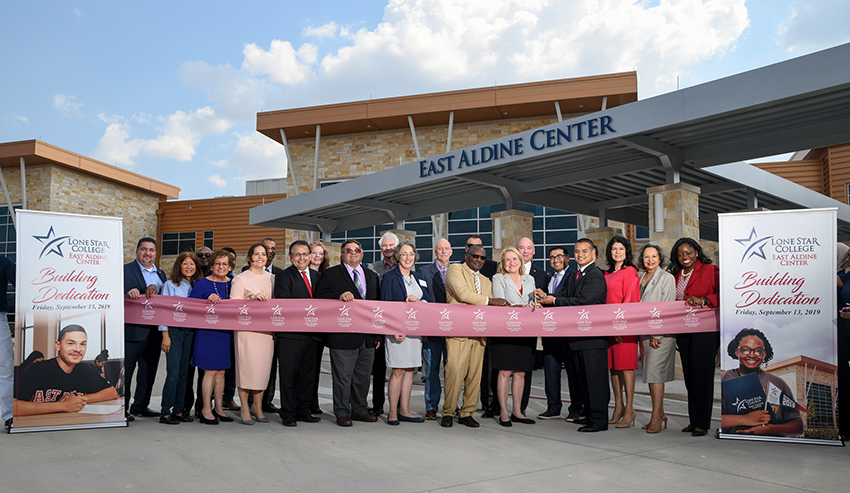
(698,352)
(297,364)
(592,366)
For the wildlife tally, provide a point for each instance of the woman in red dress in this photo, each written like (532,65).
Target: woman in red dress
(623,287)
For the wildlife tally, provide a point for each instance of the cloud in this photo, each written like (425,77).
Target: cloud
(217,180)
(282,63)
(256,156)
(328,30)
(235,94)
(178,136)
(814,25)
(22,118)
(78,13)
(67,104)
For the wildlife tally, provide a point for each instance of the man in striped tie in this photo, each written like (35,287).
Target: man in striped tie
(351,354)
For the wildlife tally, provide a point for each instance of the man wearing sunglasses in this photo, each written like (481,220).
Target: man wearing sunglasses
(466,285)
(351,354)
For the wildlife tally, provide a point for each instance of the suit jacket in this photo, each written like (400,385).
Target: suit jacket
(569,271)
(432,276)
(394,289)
(662,287)
(489,269)
(378,267)
(275,269)
(460,286)
(335,281)
(133,278)
(539,276)
(504,287)
(290,284)
(589,289)
(704,283)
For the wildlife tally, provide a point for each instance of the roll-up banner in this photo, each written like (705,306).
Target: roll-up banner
(69,322)
(778,326)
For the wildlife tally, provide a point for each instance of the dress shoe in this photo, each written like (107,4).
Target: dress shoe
(549,415)
(572,417)
(7,424)
(270,408)
(308,418)
(429,415)
(488,414)
(315,410)
(222,417)
(146,412)
(129,417)
(393,422)
(206,421)
(447,422)
(259,419)
(582,421)
(591,428)
(169,420)
(182,418)
(468,421)
(367,418)
(506,424)
(410,419)
(289,421)
(232,405)
(248,422)
(698,433)
(525,421)
(688,429)
(375,412)
(344,421)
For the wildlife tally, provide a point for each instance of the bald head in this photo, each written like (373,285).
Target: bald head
(526,249)
(443,251)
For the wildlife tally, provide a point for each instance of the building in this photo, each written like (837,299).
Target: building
(814,385)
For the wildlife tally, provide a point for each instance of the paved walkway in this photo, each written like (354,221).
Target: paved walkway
(374,457)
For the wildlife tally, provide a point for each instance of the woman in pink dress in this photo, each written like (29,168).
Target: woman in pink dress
(254,350)
(623,287)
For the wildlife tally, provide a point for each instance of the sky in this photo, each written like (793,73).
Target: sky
(171,89)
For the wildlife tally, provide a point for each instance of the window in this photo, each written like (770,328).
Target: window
(174,243)
(208,239)
(8,248)
(820,401)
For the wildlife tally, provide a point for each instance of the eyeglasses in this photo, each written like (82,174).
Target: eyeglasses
(300,254)
(407,254)
(204,255)
(352,250)
(553,257)
(477,257)
(745,351)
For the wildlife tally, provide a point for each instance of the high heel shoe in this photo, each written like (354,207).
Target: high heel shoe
(259,419)
(627,422)
(616,417)
(655,427)
(222,417)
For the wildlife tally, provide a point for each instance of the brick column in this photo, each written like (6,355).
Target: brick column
(600,237)
(681,214)
(515,225)
(332,251)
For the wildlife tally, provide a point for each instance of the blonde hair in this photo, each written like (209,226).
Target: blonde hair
(502,263)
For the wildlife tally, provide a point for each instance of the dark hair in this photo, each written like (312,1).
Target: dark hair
(586,240)
(300,242)
(348,242)
(325,260)
(663,261)
(223,253)
(30,360)
(251,253)
(628,262)
(229,250)
(146,239)
(552,249)
(70,328)
(103,356)
(268,239)
(477,237)
(733,344)
(177,271)
(675,266)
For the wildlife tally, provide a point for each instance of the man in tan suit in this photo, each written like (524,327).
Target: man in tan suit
(465,285)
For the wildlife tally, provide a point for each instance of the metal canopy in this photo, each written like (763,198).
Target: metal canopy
(798,104)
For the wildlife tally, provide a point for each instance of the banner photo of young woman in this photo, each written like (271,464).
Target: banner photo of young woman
(69,322)
(778,326)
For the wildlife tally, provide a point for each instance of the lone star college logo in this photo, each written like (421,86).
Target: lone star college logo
(755,247)
(691,312)
(311,312)
(584,315)
(445,314)
(655,313)
(211,309)
(620,314)
(514,315)
(411,314)
(178,307)
(243,310)
(148,305)
(343,312)
(479,315)
(549,315)
(378,312)
(52,243)
(276,310)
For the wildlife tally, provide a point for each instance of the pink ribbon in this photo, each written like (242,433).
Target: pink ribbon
(424,319)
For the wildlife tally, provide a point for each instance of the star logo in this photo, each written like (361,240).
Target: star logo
(755,245)
(211,309)
(343,312)
(691,312)
(514,315)
(378,312)
(445,314)
(178,307)
(620,314)
(243,310)
(148,305)
(479,315)
(52,243)
(276,311)
(549,315)
(584,315)
(655,313)
(411,314)
(311,312)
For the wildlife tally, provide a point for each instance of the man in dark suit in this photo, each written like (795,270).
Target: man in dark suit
(388,242)
(268,395)
(297,350)
(587,287)
(142,343)
(556,352)
(351,354)
(434,347)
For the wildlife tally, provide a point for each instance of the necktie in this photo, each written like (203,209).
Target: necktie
(577,274)
(477,283)
(307,282)
(557,281)
(359,285)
